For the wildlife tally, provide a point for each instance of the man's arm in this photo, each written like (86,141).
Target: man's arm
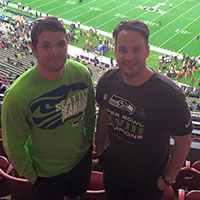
(179,155)
(102,130)
(15,134)
(90,116)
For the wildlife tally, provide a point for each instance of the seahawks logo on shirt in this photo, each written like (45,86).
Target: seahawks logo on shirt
(122,104)
(53,109)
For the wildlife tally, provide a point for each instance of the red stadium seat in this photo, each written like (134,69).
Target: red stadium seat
(4,165)
(96,188)
(196,165)
(193,195)
(19,188)
(187,178)
(168,193)
(2,152)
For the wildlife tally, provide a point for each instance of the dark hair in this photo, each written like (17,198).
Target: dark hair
(132,25)
(41,24)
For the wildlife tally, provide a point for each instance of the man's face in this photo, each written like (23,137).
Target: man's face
(131,52)
(51,52)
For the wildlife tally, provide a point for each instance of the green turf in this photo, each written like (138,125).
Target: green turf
(179,24)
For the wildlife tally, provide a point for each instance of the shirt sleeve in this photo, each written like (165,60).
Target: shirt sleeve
(15,135)
(100,91)
(178,119)
(89,122)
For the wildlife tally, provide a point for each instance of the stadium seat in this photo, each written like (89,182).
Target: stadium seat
(2,152)
(19,188)
(96,165)
(187,178)
(196,165)
(4,164)
(96,188)
(193,195)
(168,193)
(181,194)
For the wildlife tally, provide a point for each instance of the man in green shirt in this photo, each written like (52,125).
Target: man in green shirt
(48,117)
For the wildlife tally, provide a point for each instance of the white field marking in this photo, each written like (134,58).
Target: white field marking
(117,17)
(45,4)
(105,13)
(138,15)
(169,10)
(173,20)
(83,5)
(179,32)
(55,8)
(30,2)
(187,44)
(90,10)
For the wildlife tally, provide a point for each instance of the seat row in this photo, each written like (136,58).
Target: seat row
(187,182)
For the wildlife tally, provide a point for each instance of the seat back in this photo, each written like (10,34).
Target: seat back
(4,165)
(20,189)
(194,182)
(96,181)
(196,165)
(187,178)
(193,195)
(96,188)
(168,193)
(2,152)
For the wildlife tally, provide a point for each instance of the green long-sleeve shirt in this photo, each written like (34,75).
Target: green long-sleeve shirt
(48,124)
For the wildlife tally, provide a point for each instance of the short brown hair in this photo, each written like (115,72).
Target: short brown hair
(41,24)
(132,25)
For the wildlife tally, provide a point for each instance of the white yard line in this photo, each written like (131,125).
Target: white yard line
(83,5)
(169,10)
(46,4)
(55,8)
(123,13)
(178,32)
(31,2)
(90,10)
(105,13)
(187,44)
(174,20)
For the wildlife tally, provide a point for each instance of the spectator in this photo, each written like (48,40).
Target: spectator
(48,118)
(139,110)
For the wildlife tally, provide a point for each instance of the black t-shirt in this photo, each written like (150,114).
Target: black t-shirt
(141,121)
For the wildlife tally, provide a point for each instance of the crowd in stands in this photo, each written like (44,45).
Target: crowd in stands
(90,38)
(180,67)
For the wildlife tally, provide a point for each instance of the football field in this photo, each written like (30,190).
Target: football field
(177,32)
